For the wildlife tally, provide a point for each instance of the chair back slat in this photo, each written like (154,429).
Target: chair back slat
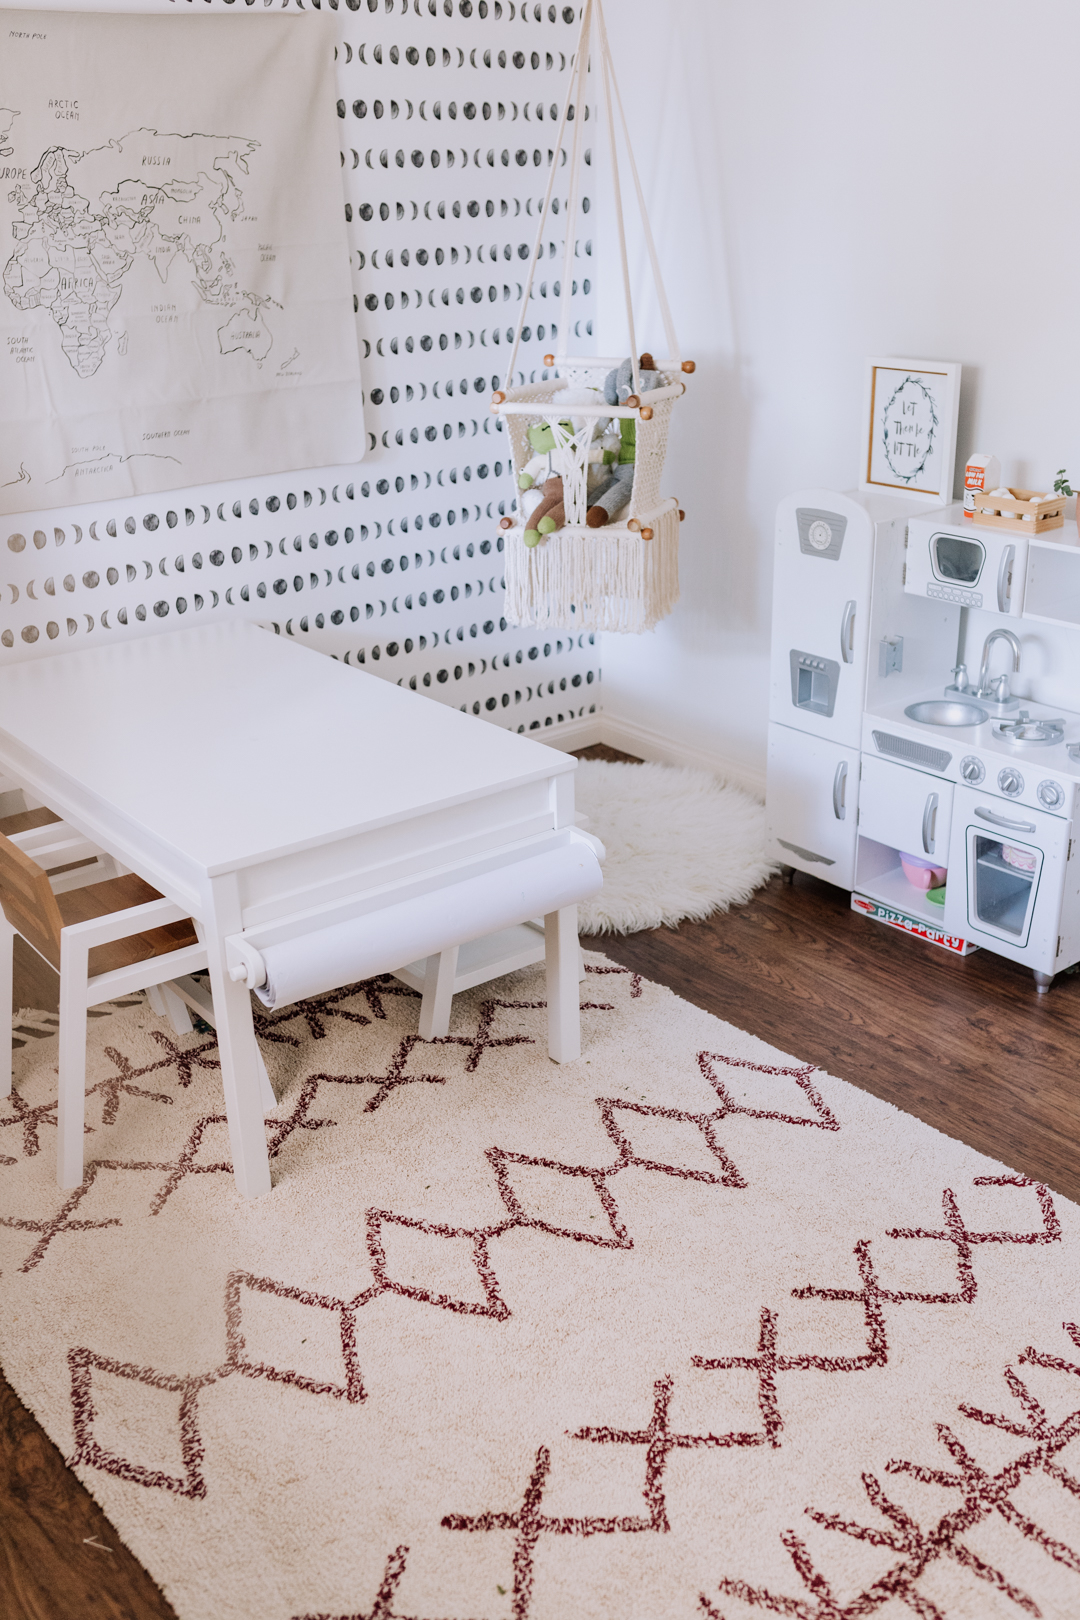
(28,901)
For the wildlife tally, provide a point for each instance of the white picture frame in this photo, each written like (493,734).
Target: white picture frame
(910,409)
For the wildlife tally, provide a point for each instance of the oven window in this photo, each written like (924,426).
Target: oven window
(1006,877)
(957,559)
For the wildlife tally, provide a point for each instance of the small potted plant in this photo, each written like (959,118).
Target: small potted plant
(1063,487)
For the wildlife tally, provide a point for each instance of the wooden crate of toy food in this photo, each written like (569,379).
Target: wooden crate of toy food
(1020,510)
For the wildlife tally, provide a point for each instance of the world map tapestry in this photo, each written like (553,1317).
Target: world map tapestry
(176,303)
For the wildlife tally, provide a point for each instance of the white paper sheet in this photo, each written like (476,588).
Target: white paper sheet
(176,303)
(389,939)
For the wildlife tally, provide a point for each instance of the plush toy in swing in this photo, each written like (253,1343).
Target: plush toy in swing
(614,492)
(611,455)
(549,515)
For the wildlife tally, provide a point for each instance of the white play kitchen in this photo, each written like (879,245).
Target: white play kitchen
(924,739)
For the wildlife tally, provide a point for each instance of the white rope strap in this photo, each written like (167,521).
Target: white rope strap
(606,75)
(661,293)
(573,198)
(582,52)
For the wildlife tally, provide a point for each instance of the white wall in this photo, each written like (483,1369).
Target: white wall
(829,181)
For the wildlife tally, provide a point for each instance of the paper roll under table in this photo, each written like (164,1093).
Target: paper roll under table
(384,940)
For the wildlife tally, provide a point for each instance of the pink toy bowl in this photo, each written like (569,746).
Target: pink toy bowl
(921,873)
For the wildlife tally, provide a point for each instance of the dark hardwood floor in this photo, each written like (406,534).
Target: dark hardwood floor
(964,1044)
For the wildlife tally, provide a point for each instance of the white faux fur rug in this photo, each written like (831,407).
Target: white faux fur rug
(680,844)
(683,1330)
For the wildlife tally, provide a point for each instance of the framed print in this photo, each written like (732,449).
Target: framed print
(909,427)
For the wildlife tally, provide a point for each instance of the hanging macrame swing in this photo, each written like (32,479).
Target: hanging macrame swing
(623,575)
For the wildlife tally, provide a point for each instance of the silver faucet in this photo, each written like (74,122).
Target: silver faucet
(999,692)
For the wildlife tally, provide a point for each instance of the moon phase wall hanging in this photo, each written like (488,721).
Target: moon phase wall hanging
(599,549)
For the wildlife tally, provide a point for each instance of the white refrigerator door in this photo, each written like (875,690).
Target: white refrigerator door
(821,614)
(907,809)
(811,805)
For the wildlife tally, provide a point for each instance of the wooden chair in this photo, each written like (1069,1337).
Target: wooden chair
(105,939)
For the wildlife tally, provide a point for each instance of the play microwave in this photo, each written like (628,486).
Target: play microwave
(951,559)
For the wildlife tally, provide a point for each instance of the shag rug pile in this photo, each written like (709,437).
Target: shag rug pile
(683,1329)
(680,844)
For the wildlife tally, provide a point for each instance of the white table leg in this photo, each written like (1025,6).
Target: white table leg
(187,992)
(238,1052)
(439,975)
(174,1010)
(563,960)
(7,945)
(266,1090)
(71,1095)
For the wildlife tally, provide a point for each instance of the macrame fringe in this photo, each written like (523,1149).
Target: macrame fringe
(594,579)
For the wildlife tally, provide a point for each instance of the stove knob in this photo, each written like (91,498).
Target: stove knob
(972,769)
(1051,794)
(1010,781)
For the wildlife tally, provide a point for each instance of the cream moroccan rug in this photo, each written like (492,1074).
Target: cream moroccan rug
(680,843)
(684,1329)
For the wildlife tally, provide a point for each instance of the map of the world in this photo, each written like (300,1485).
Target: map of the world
(176,304)
(166,198)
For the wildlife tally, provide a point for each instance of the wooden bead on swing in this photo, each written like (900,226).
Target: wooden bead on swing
(506,523)
(682,515)
(646,534)
(498,397)
(689,365)
(646,413)
(632,523)
(632,399)
(549,359)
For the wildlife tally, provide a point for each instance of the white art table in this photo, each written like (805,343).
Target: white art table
(270,791)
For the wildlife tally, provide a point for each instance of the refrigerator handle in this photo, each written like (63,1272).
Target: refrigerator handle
(847,633)
(929,823)
(1004,580)
(839,791)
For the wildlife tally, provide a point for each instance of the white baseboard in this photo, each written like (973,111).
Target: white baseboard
(631,738)
(571,734)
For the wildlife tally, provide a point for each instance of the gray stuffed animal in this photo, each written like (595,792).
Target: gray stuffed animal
(619,382)
(614,492)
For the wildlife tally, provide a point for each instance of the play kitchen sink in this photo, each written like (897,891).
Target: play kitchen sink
(946,712)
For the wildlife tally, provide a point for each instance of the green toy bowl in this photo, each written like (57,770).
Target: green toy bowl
(936,897)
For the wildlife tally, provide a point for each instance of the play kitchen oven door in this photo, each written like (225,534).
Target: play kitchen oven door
(1013,863)
(971,567)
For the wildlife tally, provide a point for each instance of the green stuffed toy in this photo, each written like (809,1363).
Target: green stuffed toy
(549,515)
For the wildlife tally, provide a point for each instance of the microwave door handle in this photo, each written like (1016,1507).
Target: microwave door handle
(1004,579)
(1003,821)
(847,633)
(839,791)
(929,823)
